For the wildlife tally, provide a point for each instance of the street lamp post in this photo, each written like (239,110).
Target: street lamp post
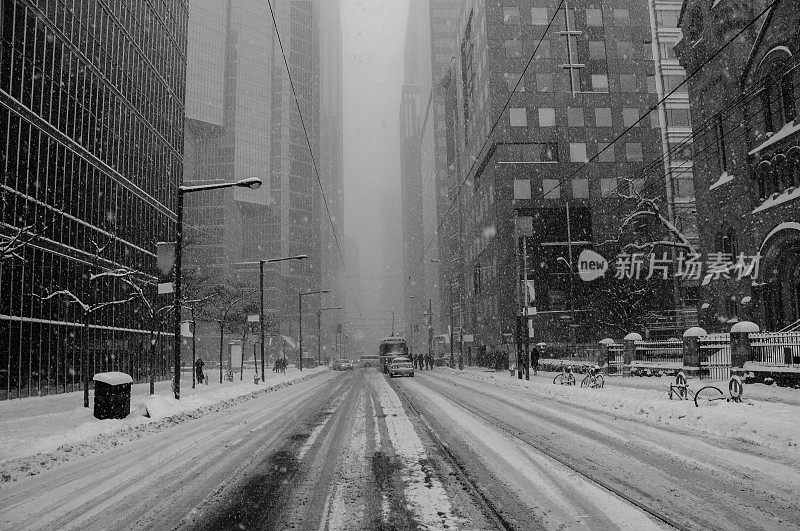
(252,183)
(261,286)
(300,331)
(319,331)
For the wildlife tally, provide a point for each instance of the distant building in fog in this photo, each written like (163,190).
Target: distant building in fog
(243,121)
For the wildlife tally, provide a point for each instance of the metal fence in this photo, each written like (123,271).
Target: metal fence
(670,351)
(776,349)
(715,356)
(616,359)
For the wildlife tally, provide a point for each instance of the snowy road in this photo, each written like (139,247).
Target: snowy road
(570,466)
(354,450)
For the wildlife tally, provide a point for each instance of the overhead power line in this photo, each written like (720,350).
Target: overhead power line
(311,154)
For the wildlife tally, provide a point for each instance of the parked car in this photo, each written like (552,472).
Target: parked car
(401,367)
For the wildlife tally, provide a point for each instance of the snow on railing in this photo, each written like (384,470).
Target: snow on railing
(776,349)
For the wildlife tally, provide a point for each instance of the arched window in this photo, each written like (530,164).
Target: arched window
(777,89)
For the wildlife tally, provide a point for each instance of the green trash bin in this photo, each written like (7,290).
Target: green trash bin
(112,395)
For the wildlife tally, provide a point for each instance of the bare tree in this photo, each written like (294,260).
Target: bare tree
(13,243)
(230,302)
(93,302)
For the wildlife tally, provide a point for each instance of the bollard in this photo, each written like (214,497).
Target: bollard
(629,352)
(691,351)
(602,359)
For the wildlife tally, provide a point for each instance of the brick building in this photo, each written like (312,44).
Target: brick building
(747,178)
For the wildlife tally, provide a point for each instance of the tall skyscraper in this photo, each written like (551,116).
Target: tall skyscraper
(243,121)
(92,115)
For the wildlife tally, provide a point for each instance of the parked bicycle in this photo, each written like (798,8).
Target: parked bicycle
(593,378)
(566,377)
(707,394)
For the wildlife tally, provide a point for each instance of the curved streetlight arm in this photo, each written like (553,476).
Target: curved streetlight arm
(253,183)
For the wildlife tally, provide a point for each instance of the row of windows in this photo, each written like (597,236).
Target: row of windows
(541,16)
(583,48)
(603,117)
(543,82)
(548,152)
(603,188)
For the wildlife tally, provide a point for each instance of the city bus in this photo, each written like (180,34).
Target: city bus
(390,348)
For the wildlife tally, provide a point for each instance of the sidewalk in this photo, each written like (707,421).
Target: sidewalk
(42,424)
(767,416)
(759,392)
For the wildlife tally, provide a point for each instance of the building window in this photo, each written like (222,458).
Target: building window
(577,152)
(633,152)
(513,49)
(594,17)
(518,117)
(726,242)
(673,82)
(605,152)
(597,50)
(667,18)
(544,82)
(678,118)
(684,183)
(551,188)
(511,81)
(637,186)
(547,117)
(630,117)
(622,17)
(522,189)
(625,50)
(543,50)
(602,117)
(599,83)
(540,16)
(540,152)
(580,188)
(511,16)
(655,121)
(627,83)
(666,50)
(608,186)
(722,155)
(575,117)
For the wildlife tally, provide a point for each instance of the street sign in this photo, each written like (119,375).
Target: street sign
(468,338)
(165,256)
(253,318)
(165,287)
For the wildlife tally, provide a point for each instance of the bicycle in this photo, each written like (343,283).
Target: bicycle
(707,394)
(565,378)
(593,378)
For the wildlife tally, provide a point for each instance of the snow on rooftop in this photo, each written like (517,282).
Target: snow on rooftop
(786,131)
(785,197)
(724,178)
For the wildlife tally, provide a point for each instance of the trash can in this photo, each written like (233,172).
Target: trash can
(112,395)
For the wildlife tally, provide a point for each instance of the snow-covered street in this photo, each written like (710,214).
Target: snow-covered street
(444,450)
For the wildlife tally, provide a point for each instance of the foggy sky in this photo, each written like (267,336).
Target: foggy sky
(373,40)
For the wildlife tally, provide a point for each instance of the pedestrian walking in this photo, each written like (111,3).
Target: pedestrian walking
(535,360)
(198,370)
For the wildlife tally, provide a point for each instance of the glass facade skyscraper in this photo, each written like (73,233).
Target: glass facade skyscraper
(92,114)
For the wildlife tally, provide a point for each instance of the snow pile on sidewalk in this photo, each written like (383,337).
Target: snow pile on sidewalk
(764,423)
(38,433)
